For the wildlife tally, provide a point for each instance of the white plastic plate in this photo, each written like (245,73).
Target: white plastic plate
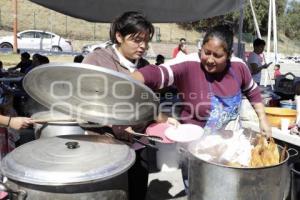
(184,133)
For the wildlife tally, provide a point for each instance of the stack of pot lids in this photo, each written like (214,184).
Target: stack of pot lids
(68,160)
(91,93)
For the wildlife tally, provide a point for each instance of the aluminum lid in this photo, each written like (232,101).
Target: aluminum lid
(68,160)
(53,117)
(91,93)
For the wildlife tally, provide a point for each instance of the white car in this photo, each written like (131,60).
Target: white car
(91,47)
(37,39)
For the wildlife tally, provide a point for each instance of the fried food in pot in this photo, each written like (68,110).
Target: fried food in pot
(264,153)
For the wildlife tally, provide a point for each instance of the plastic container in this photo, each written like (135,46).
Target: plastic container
(288,104)
(274,115)
(167,157)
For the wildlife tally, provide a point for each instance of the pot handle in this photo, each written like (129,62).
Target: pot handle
(293,150)
(182,149)
(39,130)
(21,194)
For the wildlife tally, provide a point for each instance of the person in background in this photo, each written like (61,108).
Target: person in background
(176,50)
(256,60)
(16,123)
(181,51)
(23,64)
(3,72)
(1,67)
(277,71)
(160,59)
(130,34)
(78,59)
(37,60)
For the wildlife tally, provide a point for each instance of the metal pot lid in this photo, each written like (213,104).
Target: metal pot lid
(67,160)
(53,115)
(91,93)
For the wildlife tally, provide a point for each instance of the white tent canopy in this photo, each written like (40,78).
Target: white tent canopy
(157,11)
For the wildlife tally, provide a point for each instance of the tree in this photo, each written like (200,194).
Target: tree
(290,22)
(261,8)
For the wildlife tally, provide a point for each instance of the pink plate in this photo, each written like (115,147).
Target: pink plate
(158,129)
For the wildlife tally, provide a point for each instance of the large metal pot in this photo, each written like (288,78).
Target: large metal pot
(55,128)
(81,167)
(211,181)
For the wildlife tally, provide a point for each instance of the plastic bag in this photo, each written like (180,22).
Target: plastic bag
(234,150)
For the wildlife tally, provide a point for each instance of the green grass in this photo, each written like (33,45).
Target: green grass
(11,59)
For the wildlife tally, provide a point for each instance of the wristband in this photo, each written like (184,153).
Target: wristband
(8,121)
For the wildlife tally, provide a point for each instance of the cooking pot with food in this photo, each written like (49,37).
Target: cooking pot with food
(80,167)
(52,123)
(209,180)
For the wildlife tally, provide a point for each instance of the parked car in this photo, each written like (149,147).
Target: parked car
(37,39)
(91,47)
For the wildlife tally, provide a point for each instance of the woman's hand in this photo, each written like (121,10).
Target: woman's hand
(163,118)
(172,121)
(265,127)
(263,122)
(20,122)
(121,133)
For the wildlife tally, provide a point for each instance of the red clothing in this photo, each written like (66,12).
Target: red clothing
(175,52)
(277,73)
(192,82)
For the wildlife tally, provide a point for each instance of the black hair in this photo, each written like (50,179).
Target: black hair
(277,65)
(258,42)
(131,23)
(25,55)
(182,39)
(223,33)
(160,59)
(44,59)
(78,59)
